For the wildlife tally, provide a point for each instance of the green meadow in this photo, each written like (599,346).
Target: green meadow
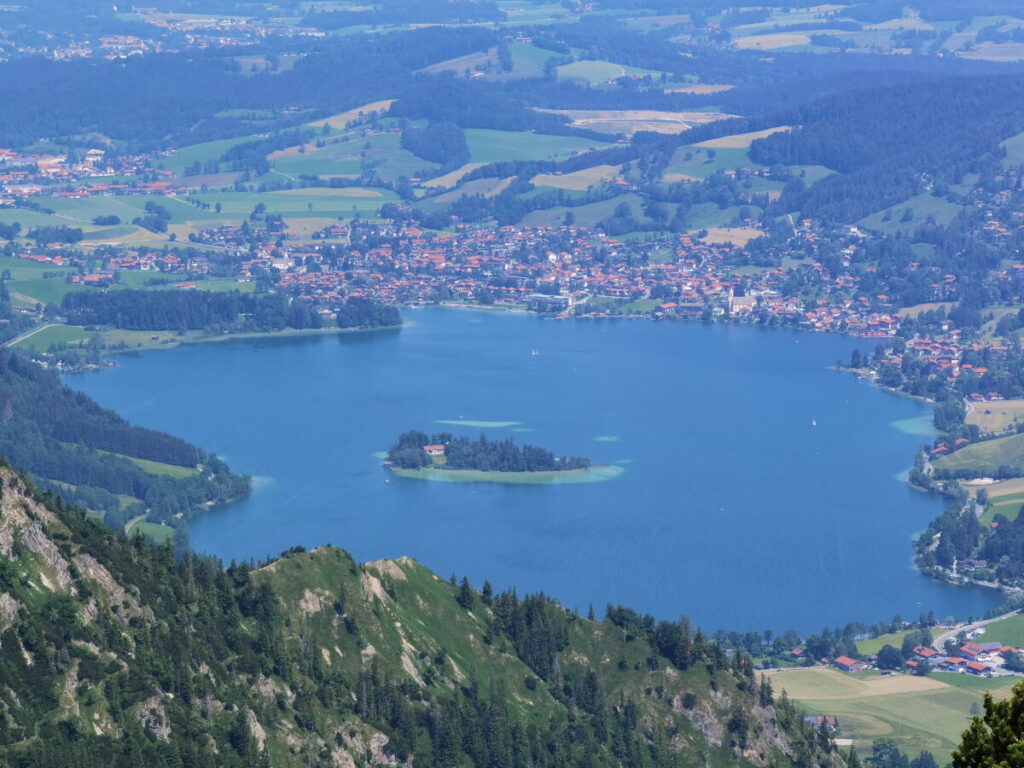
(986,457)
(52,335)
(597,72)
(875,644)
(159,467)
(155,532)
(917,713)
(921,207)
(1009,631)
(1007,506)
(491,146)
(700,163)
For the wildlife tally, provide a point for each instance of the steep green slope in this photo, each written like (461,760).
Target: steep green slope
(115,653)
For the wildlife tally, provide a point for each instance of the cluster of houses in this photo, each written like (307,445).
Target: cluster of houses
(29,175)
(170,33)
(978,659)
(563,270)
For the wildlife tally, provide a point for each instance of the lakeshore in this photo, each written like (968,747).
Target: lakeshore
(594,474)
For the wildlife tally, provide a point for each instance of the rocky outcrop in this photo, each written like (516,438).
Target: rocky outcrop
(153,716)
(9,608)
(123,605)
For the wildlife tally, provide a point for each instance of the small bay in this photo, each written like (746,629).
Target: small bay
(759,487)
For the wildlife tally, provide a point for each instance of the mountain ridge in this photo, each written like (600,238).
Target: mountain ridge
(114,652)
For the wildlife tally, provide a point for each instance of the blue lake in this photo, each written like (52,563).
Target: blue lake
(733,509)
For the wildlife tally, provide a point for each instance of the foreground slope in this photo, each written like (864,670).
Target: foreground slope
(114,653)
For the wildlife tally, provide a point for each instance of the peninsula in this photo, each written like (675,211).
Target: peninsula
(458,459)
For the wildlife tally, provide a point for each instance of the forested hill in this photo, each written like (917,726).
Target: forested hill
(94,457)
(887,143)
(113,653)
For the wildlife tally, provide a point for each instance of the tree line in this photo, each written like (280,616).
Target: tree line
(481,454)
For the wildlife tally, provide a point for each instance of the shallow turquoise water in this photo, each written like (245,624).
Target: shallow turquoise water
(732,509)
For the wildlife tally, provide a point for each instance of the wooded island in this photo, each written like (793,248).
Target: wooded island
(443,451)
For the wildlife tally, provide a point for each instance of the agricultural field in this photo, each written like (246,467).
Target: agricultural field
(452,178)
(201,153)
(895,219)
(1009,631)
(1007,505)
(996,416)
(585,215)
(488,187)
(739,236)
(532,13)
(712,218)
(235,206)
(491,146)
(159,467)
(340,121)
(1004,52)
(700,163)
(986,457)
(773,41)
(875,644)
(346,156)
(919,309)
(700,89)
(629,121)
(1014,150)
(741,140)
(42,291)
(578,181)
(919,713)
(158,533)
(597,72)
(51,335)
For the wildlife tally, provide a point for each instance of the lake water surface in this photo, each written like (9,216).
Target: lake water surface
(733,508)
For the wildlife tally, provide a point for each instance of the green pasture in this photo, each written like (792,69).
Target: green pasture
(235,206)
(1008,506)
(491,146)
(208,150)
(155,532)
(1009,631)
(44,290)
(382,152)
(52,335)
(929,716)
(585,215)
(922,206)
(597,72)
(986,457)
(159,467)
(875,644)
(701,163)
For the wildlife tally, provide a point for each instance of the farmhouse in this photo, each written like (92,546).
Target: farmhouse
(977,668)
(847,664)
(827,722)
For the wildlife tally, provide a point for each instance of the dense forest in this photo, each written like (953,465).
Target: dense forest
(888,145)
(482,454)
(189,311)
(442,143)
(80,449)
(359,312)
(313,659)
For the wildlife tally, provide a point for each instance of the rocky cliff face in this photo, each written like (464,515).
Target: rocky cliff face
(116,653)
